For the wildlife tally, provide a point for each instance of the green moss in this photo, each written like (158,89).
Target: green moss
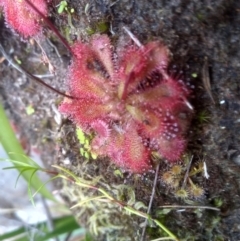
(99,27)
(203,117)
(85,140)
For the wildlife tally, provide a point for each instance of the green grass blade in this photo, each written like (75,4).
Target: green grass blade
(13,234)
(19,175)
(44,184)
(21,163)
(61,225)
(15,152)
(75,178)
(15,167)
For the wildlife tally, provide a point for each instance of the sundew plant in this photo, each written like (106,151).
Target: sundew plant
(123,96)
(128,100)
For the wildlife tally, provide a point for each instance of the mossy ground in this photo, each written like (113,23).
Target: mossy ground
(193,30)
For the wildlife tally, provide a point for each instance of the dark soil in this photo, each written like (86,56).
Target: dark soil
(203,39)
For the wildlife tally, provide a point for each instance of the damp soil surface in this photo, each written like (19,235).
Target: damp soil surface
(203,38)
